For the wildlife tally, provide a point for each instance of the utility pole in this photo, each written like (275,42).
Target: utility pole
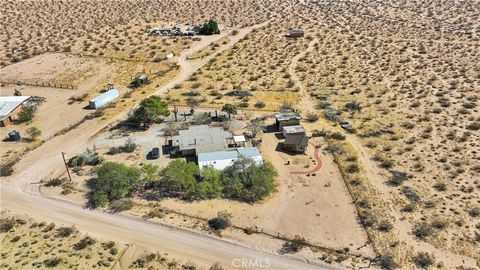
(66,166)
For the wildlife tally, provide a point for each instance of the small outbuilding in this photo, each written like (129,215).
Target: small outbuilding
(288,130)
(239,141)
(286,119)
(104,99)
(10,107)
(296,143)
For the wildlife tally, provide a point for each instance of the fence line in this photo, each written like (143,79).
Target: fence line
(40,84)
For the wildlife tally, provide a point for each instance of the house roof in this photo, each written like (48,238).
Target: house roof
(9,103)
(240,138)
(229,155)
(287,116)
(202,138)
(296,139)
(293,129)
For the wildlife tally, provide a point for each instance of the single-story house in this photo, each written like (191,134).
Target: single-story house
(200,139)
(10,107)
(286,119)
(296,143)
(222,159)
(293,130)
(295,33)
(103,99)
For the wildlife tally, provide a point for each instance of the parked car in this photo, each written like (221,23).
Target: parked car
(155,153)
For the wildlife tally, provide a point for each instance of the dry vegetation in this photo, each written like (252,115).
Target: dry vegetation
(29,244)
(54,26)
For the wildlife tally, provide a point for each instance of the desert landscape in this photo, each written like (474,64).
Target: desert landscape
(352,131)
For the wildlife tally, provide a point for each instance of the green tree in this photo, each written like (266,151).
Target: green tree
(17,93)
(114,181)
(230,109)
(33,132)
(211,185)
(180,176)
(150,172)
(27,113)
(247,180)
(210,28)
(151,110)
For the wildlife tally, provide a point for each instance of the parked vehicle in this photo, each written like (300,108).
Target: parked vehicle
(155,153)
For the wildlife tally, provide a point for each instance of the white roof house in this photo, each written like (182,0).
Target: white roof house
(223,159)
(9,104)
(103,99)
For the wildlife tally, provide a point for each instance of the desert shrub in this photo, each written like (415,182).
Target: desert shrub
(217,266)
(89,157)
(474,126)
(397,178)
(33,132)
(54,182)
(474,212)
(259,104)
(15,239)
(384,226)
(65,231)
(367,219)
(129,147)
(311,117)
(220,222)
(6,224)
(422,230)
(51,263)
(410,194)
(352,168)
(121,205)
(409,208)
(439,224)
(337,136)
(386,262)
(295,245)
(27,113)
(84,242)
(113,182)
(353,106)
(49,227)
(423,260)
(440,186)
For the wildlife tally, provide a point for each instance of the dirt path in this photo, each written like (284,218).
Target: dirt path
(316,153)
(305,101)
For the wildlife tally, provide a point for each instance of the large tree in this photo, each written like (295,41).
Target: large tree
(255,127)
(248,181)
(210,28)
(114,181)
(151,110)
(230,109)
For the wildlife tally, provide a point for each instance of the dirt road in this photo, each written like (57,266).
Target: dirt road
(200,249)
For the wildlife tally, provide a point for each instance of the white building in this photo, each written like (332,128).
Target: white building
(223,159)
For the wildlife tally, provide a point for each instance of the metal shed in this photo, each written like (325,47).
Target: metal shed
(103,99)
